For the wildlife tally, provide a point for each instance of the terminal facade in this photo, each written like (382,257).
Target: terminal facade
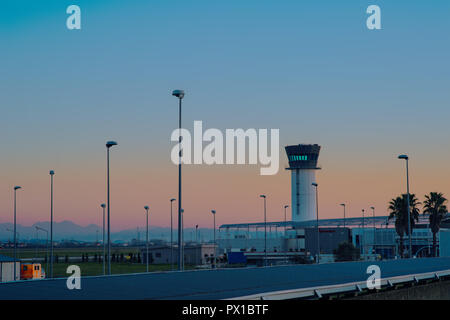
(296,240)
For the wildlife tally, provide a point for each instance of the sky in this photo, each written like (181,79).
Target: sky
(311,69)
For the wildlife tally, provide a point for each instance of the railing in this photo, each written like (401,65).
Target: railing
(347,288)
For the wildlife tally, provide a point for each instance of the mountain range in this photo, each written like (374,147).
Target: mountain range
(68,230)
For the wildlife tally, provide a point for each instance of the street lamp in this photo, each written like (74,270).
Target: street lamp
(15,230)
(180,95)
(285,221)
(182,239)
(285,238)
(343,204)
(103,206)
(406,158)
(363,242)
(18,234)
(374,228)
(215,251)
(109,144)
(146,236)
(52,173)
(265,230)
(315,185)
(171,234)
(46,245)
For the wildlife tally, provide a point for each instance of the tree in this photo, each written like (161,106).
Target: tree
(399,210)
(346,251)
(434,205)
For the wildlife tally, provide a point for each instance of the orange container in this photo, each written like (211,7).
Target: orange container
(30,271)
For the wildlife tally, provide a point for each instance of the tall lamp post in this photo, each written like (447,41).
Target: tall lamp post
(18,234)
(315,185)
(215,251)
(15,230)
(374,228)
(265,230)
(180,95)
(182,240)
(146,237)
(363,237)
(285,222)
(52,173)
(406,158)
(109,144)
(171,234)
(103,206)
(46,247)
(343,204)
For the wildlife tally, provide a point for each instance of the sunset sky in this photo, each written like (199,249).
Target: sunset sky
(308,68)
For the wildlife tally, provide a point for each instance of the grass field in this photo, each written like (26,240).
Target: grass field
(24,253)
(88,268)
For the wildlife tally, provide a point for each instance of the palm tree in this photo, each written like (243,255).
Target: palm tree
(399,210)
(434,205)
(395,207)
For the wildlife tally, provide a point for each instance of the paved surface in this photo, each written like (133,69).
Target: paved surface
(215,284)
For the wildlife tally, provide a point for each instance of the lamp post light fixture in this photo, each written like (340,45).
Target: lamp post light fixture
(406,158)
(109,144)
(265,230)
(171,234)
(103,206)
(15,230)
(52,173)
(315,185)
(146,237)
(180,95)
(343,204)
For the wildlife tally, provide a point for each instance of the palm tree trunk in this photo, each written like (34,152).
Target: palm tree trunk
(434,245)
(401,247)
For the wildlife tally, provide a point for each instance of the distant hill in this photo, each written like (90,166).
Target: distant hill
(68,230)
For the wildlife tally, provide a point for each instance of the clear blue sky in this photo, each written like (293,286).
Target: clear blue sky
(310,68)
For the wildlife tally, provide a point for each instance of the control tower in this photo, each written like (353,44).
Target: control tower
(303,165)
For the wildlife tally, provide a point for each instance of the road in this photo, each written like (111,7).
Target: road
(215,284)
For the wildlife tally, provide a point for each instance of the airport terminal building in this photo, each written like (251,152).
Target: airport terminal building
(299,238)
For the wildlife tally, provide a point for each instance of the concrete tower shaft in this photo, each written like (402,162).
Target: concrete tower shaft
(303,165)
